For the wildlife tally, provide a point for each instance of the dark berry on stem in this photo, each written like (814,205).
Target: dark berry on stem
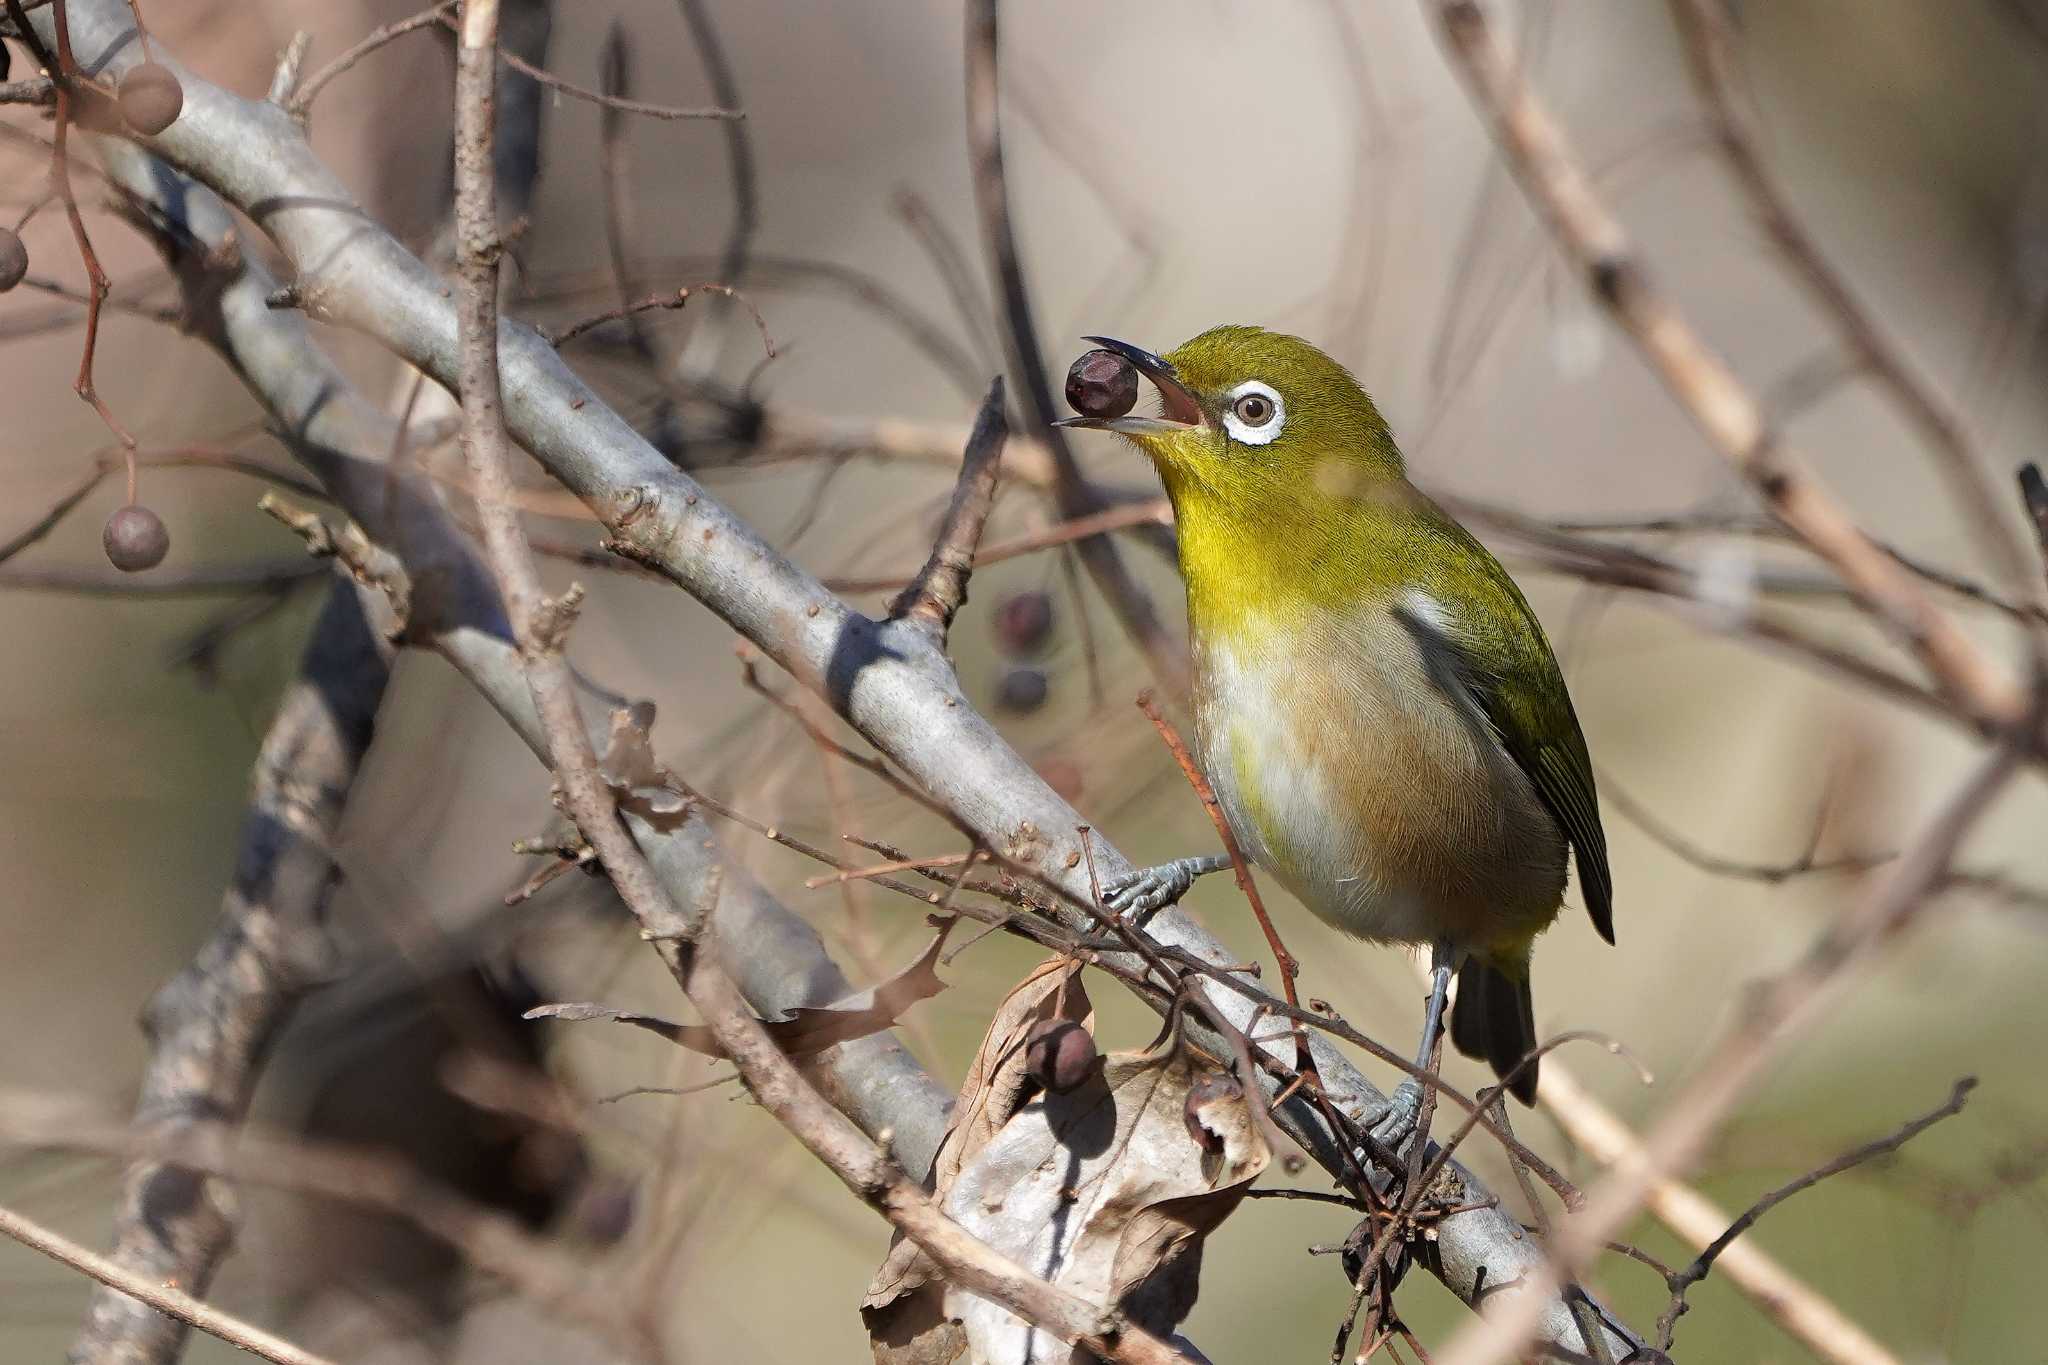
(150,98)
(1023,621)
(1101,384)
(135,539)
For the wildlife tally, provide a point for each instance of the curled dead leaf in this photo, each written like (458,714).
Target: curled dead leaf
(1108,1190)
(801,1032)
(639,783)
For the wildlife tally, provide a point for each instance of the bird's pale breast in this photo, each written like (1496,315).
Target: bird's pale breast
(1357,773)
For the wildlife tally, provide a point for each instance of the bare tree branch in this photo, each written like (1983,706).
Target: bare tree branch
(886,680)
(1587,232)
(159,1294)
(1806,1314)
(211,1025)
(343,439)
(1709,42)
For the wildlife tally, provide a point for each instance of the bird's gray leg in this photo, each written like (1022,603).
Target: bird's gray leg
(1148,890)
(1395,1124)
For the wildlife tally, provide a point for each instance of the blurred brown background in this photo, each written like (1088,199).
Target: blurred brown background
(1307,166)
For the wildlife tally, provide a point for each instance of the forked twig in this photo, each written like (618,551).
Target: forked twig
(1685,1279)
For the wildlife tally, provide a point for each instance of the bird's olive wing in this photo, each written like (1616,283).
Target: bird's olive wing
(1505,666)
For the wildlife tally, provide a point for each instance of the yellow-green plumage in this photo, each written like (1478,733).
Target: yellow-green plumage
(1375,702)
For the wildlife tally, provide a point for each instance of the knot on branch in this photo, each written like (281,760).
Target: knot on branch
(301,297)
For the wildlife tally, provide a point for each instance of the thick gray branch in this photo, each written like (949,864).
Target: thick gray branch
(887,679)
(211,1024)
(342,439)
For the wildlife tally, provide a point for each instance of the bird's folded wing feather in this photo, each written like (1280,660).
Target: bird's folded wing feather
(1505,662)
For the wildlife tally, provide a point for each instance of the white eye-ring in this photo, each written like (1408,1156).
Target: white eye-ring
(1253,413)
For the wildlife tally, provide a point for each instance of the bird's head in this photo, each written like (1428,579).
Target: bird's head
(1251,422)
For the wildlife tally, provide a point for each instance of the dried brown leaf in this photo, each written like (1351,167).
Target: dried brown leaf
(639,783)
(802,1032)
(1108,1190)
(904,1307)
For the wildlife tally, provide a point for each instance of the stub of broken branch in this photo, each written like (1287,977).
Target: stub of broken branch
(940,589)
(368,562)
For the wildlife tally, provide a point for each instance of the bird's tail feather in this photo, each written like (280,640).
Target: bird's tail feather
(1495,1020)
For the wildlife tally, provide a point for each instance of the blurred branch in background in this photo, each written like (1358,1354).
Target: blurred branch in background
(1535,147)
(1708,32)
(988,836)
(1071,490)
(901,696)
(210,1026)
(161,1295)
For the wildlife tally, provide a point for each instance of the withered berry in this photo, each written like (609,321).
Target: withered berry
(1023,621)
(135,539)
(1059,1054)
(1023,689)
(1102,384)
(150,98)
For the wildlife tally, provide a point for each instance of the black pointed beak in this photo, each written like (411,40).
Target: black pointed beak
(1178,409)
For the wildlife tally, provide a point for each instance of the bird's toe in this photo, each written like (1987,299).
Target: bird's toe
(1394,1127)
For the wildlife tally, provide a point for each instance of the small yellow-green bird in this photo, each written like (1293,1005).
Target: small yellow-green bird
(1375,704)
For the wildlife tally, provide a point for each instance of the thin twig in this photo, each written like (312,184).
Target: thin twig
(158,1294)
(1152,512)
(1240,867)
(1685,1279)
(65,72)
(664,302)
(47,520)
(301,103)
(624,106)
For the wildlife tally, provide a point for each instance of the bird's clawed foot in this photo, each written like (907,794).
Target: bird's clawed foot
(1144,893)
(1394,1127)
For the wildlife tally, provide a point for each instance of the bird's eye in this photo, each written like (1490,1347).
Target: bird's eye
(1253,413)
